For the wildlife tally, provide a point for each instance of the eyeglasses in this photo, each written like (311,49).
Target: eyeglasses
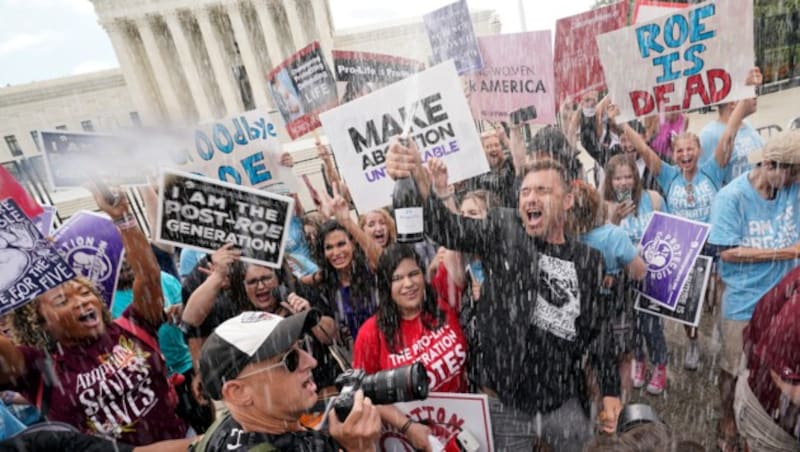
(290,361)
(690,193)
(262,280)
(412,274)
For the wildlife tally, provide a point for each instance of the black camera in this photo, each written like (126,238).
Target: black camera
(402,384)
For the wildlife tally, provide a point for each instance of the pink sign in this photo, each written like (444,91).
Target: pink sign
(517,76)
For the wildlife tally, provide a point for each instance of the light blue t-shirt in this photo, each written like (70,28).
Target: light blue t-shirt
(9,425)
(187,261)
(634,224)
(297,250)
(170,337)
(704,186)
(613,243)
(741,217)
(747,140)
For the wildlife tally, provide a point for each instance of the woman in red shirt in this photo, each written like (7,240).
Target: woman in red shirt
(412,324)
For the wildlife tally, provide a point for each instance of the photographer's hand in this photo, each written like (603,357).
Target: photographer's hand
(362,428)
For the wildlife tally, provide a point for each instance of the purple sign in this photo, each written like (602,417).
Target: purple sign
(670,246)
(30,265)
(44,222)
(93,247)
(451,35)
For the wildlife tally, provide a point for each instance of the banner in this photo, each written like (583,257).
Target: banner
(364,72)
(432,104)
(92,245)
(451,35)
(693,58)
(517,74)
(30,264)
(204,214)
(670,246)
(647,10)
(44,222)
(577,60)
(243,150)
(447,415)
(303,87)
(690,301)
(74,159)
(11,188)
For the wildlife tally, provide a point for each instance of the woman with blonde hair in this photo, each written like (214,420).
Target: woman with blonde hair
(379,225)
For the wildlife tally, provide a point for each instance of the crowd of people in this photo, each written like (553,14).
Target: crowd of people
(523,289)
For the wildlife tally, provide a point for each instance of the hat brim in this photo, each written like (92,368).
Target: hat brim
(286,333)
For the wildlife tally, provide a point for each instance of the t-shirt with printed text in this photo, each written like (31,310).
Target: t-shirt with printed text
(691,199)
(746,141)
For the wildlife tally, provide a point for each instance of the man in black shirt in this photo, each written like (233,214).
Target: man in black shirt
(500,178)
(539,316)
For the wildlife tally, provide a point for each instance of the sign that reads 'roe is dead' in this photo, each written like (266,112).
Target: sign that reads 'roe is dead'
(692,58)
(204,214)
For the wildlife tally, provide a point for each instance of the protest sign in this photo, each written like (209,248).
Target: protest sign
(11,188)
(517,74)
(692,58)
(433,103)
(92,246)
(690,302)
(647,10)
(446,414)
(364,72)
(75,159)
(204,214)
(30,264)
(303,87)
(577,60)
(44,222)
(670,246)
(451,35)
(243,150)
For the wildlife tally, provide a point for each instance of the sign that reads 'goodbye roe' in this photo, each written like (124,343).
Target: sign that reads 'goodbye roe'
(689,59)
(432,104)
(204,214)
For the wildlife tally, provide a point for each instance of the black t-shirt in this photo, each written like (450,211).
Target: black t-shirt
(229,437)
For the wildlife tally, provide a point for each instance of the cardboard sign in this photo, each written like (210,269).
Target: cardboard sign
(243,150)
(204,214)
(364,72)
(517,73)
(92,246)
(577,60)
(670,246)
(44,222)
(30,265)
(446,414)
(451,35)
(11,188)
(690,301)
(647,10)
(692,58)
(75,159)
(433,103)
(302,88)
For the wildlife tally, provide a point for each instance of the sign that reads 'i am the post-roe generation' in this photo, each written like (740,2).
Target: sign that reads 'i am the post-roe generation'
(204,214)
(432,105)
(692,58)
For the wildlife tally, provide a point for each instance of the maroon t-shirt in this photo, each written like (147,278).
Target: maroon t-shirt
(116,386)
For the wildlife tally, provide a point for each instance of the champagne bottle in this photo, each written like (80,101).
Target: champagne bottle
(407,204)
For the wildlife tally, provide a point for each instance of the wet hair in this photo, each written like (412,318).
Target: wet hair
(588,209)
(547,164)
(29,327)
(391,228)
(686,136)
(607,189)
(388,314)
(315,220)
(550,142)
(361,281)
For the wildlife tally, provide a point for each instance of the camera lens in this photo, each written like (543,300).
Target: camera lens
(397,385)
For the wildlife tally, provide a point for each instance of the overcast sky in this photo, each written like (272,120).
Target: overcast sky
(44,39)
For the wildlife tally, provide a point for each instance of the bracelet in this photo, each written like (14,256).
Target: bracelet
(406,426)
(126,221)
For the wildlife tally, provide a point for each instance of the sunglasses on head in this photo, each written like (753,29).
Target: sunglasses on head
(290,361)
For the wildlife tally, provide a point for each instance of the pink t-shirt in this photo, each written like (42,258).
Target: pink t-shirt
(117,386)
(443,352)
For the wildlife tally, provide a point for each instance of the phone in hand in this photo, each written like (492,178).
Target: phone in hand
(523,115)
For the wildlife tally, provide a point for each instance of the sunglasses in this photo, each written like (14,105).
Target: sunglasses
(290,361)
(690,193)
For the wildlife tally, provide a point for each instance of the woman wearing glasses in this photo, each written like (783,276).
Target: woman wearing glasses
(412,324)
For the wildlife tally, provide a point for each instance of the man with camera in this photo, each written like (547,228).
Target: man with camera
(255,363)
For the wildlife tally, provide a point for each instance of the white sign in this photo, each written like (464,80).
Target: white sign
(432,103)
(692,58)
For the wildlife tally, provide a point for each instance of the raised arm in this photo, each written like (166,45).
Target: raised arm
(743,109)
(651,159)
(201,301)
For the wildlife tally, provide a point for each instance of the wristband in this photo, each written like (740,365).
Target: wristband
(406,426)
(126,221)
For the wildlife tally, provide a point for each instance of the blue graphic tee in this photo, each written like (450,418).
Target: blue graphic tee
(747,140)
(741,217)
(691,200)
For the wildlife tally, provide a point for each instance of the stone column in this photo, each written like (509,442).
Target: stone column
(159,65)
(324,26)
(189,65)
(255,73)
(296,25)
(276,55)
(222,69)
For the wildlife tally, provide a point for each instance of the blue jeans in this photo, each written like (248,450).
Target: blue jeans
(649,329)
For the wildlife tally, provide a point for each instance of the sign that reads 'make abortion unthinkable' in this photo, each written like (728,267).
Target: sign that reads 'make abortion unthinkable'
(451,35)
(431,105)
(691,58)
(204,214)
(29,263)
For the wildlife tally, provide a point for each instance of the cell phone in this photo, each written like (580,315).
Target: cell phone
(111,198)
(524,114)
(623,196)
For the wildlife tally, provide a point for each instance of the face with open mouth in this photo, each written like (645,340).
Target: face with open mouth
(686,151)
(493,151)
(408,288)
(259,283)
(375,226)
(338,249)
(72,312)
(543,203)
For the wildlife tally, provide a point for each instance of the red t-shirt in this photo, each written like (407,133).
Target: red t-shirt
(443,352)
(116,386)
